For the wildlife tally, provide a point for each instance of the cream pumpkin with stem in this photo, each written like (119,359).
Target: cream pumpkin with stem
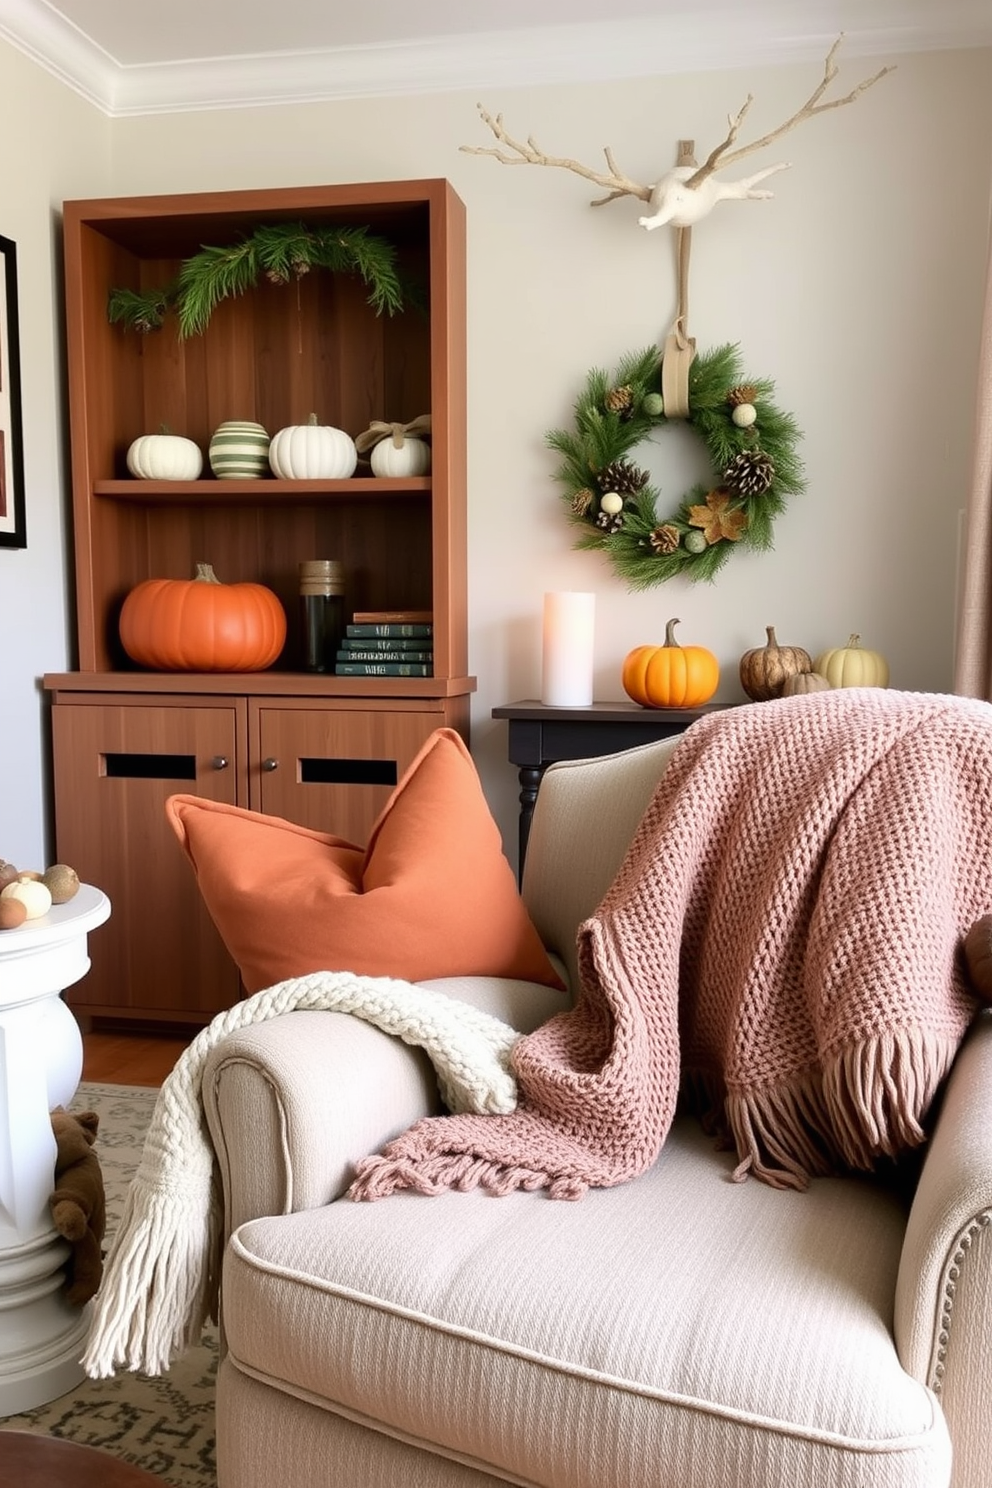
(165,457)
(312,451)
(853,665)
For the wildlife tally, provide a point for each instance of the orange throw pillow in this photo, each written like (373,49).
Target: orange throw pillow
(432,895)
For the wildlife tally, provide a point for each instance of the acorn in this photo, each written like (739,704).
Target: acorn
(12,913)
(61,881)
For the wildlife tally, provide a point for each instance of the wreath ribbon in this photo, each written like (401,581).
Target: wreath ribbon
(680,348)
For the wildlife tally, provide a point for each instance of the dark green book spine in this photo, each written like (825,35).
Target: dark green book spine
(386,643)
(359,654)
(390,631)
(383,669)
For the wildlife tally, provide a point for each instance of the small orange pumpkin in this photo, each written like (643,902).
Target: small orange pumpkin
(670,676)
(202,625)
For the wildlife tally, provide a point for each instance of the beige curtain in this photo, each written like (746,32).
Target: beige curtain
(973,657)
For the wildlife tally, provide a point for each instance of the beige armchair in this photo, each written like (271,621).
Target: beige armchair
(677,1331)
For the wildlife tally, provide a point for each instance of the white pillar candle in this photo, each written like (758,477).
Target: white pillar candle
(568,650)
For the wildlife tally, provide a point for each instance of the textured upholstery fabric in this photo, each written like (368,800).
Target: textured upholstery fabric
(944,1290)
(685,1356)
(586,814)
(430,895)
(269,1438)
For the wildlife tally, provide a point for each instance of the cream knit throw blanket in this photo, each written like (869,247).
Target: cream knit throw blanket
(784,933)
(162,1271)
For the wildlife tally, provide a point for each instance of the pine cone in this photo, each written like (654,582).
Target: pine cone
(750,473)
(746,393)
(620,400)
(665,539)
(581,502)
(621,476)
(610,521)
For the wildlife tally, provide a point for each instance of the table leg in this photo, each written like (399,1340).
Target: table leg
(530,781)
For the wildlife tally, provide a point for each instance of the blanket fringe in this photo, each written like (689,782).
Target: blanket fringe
(878,1092)
(776,1133)
(868,1102)
(379,1176)
(163,1270)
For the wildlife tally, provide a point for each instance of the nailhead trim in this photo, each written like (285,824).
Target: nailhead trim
(951,1278)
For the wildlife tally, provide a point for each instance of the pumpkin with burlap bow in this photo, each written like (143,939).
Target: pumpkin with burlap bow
(397,449)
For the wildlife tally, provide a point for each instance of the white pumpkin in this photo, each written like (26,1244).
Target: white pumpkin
(409,457)
(312,451)
(164,457)
(32,893)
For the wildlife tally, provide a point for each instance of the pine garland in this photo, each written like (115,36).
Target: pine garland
(281,252)
(755,468)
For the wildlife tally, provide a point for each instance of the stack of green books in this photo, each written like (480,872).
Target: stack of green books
(387,643)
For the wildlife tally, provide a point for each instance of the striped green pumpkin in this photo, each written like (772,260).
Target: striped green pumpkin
(239,450)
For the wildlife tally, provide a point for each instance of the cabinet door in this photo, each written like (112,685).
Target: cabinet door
(332,769)
(158,956)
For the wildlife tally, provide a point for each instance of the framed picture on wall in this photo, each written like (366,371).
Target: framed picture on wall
(13,532)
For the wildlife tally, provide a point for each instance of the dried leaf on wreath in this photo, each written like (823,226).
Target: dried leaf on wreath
(716,520)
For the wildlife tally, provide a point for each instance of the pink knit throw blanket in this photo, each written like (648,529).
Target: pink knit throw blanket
(783,938)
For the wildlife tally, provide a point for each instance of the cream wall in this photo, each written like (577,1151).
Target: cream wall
(55,145)
(858,289)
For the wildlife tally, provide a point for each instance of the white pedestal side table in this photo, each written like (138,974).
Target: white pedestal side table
(41,1060)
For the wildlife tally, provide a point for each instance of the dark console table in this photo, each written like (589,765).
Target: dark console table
(539,735)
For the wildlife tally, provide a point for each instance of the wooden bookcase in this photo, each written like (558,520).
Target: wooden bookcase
(320,750)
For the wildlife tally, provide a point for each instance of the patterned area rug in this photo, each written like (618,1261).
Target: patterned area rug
(165,1425)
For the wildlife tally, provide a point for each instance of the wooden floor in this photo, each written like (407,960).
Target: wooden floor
(129,1059)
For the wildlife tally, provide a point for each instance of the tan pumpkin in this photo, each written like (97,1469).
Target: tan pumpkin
(670,676)
(801,683)
(853,665)
(202,625)
(764,670)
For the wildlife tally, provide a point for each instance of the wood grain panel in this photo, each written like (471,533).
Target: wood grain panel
(159,952)
(289,736)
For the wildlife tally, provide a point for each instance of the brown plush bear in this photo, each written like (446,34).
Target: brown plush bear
(77,1203)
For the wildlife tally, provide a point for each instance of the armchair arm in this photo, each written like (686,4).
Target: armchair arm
(943,1311)
(292,1103)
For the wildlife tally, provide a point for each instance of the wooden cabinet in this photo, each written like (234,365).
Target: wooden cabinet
(321,750)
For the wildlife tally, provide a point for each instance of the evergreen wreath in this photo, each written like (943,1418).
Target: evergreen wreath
(281,251)
(751,446)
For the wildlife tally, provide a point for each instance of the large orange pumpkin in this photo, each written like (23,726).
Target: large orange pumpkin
(670,676)
(202,625)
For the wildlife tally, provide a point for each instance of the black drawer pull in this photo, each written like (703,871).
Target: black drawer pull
(347,772)
(150,766)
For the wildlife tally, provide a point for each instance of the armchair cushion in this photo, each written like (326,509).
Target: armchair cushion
(432,894)
(680,1328)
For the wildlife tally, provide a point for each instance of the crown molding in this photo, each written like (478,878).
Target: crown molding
(731,36)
